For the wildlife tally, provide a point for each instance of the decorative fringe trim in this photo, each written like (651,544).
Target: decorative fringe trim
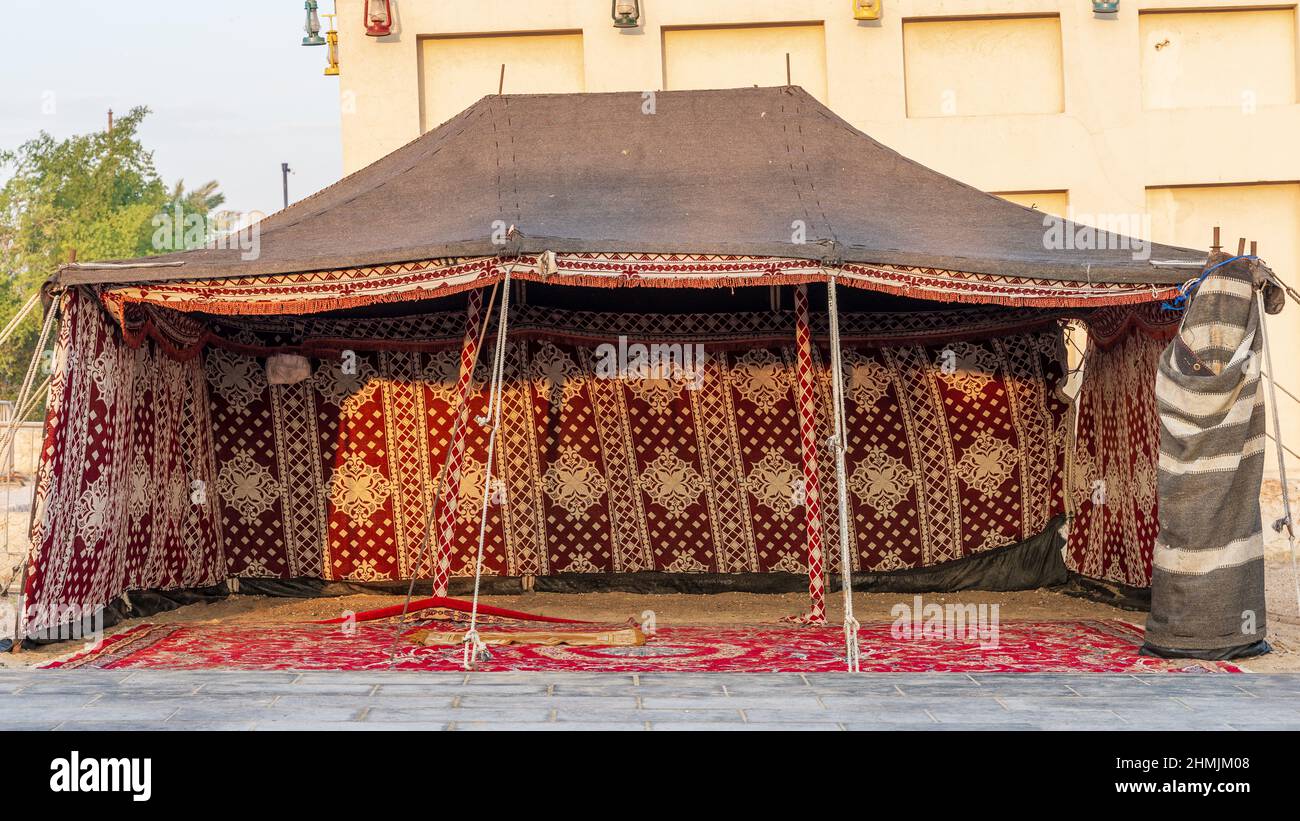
(530,269)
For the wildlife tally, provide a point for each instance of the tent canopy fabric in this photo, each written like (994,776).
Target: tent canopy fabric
(757,172)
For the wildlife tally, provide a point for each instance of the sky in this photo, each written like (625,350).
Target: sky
(232,90)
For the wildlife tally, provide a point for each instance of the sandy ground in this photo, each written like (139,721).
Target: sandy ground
(1034,605)
(1276,545)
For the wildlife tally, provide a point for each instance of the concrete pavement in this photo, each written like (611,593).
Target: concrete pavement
(217,700)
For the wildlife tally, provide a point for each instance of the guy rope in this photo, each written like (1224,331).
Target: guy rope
(474,648)
(25,404)
(1286,522)
(475,330)
(839,444)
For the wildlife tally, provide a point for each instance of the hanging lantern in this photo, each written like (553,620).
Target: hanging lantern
(332,53)
(1105,6)
(866,9)
(312,28)
(627,14)
(379,18)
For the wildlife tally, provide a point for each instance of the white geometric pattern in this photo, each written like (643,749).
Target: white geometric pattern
(881,480)
(777,483)
(574,482)
(358,489)
(987,463)
(247,486)
(671,483)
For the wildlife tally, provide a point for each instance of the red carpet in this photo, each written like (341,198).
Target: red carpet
(1024,647)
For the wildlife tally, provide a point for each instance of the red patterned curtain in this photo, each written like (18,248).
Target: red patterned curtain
(126,494)
(957,446)
(622,475)
(1117,447)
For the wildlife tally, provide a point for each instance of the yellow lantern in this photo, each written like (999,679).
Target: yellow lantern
(866,9)
(332,53)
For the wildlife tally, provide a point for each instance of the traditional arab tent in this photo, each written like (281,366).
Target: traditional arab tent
(332,406)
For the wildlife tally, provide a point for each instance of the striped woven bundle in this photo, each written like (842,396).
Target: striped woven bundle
(1207,580)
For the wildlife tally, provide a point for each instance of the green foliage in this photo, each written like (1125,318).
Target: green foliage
(97,194)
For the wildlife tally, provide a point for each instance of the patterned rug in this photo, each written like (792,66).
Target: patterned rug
(1024,647)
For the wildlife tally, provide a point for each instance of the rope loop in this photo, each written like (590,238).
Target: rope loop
(1179,303)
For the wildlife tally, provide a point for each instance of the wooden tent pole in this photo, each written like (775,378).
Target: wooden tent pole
(24,396)
(473,647)
(839,444)
(806,396)
(471,344)
(1286,522)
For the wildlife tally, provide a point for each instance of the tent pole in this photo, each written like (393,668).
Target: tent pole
(20,409)
(474,648)
(1286,521)
(475,328)
(806,402)
(839,444)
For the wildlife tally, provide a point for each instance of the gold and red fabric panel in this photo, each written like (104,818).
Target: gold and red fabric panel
(957,447)
(612,475)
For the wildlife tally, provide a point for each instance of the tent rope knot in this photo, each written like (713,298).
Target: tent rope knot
(833,257)
(474,649)
(512,247)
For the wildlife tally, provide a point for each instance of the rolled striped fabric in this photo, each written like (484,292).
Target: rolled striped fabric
(1207,579)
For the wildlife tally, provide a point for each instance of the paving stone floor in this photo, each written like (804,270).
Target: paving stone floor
(146,700)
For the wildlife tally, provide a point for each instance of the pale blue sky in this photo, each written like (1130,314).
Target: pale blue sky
(233,92)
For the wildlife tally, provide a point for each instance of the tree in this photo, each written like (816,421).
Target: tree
(97,194)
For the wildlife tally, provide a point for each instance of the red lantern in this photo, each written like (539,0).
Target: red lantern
(379,18)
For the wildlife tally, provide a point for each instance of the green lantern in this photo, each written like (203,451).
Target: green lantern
(312,28)
(626,13)
(1105,6)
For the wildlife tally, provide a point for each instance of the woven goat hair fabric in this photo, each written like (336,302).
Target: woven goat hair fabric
(166,473)
(1207,581)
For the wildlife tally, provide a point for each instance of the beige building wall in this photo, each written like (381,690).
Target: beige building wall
(1177,114)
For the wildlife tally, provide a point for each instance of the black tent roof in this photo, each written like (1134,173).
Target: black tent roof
(701,172)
